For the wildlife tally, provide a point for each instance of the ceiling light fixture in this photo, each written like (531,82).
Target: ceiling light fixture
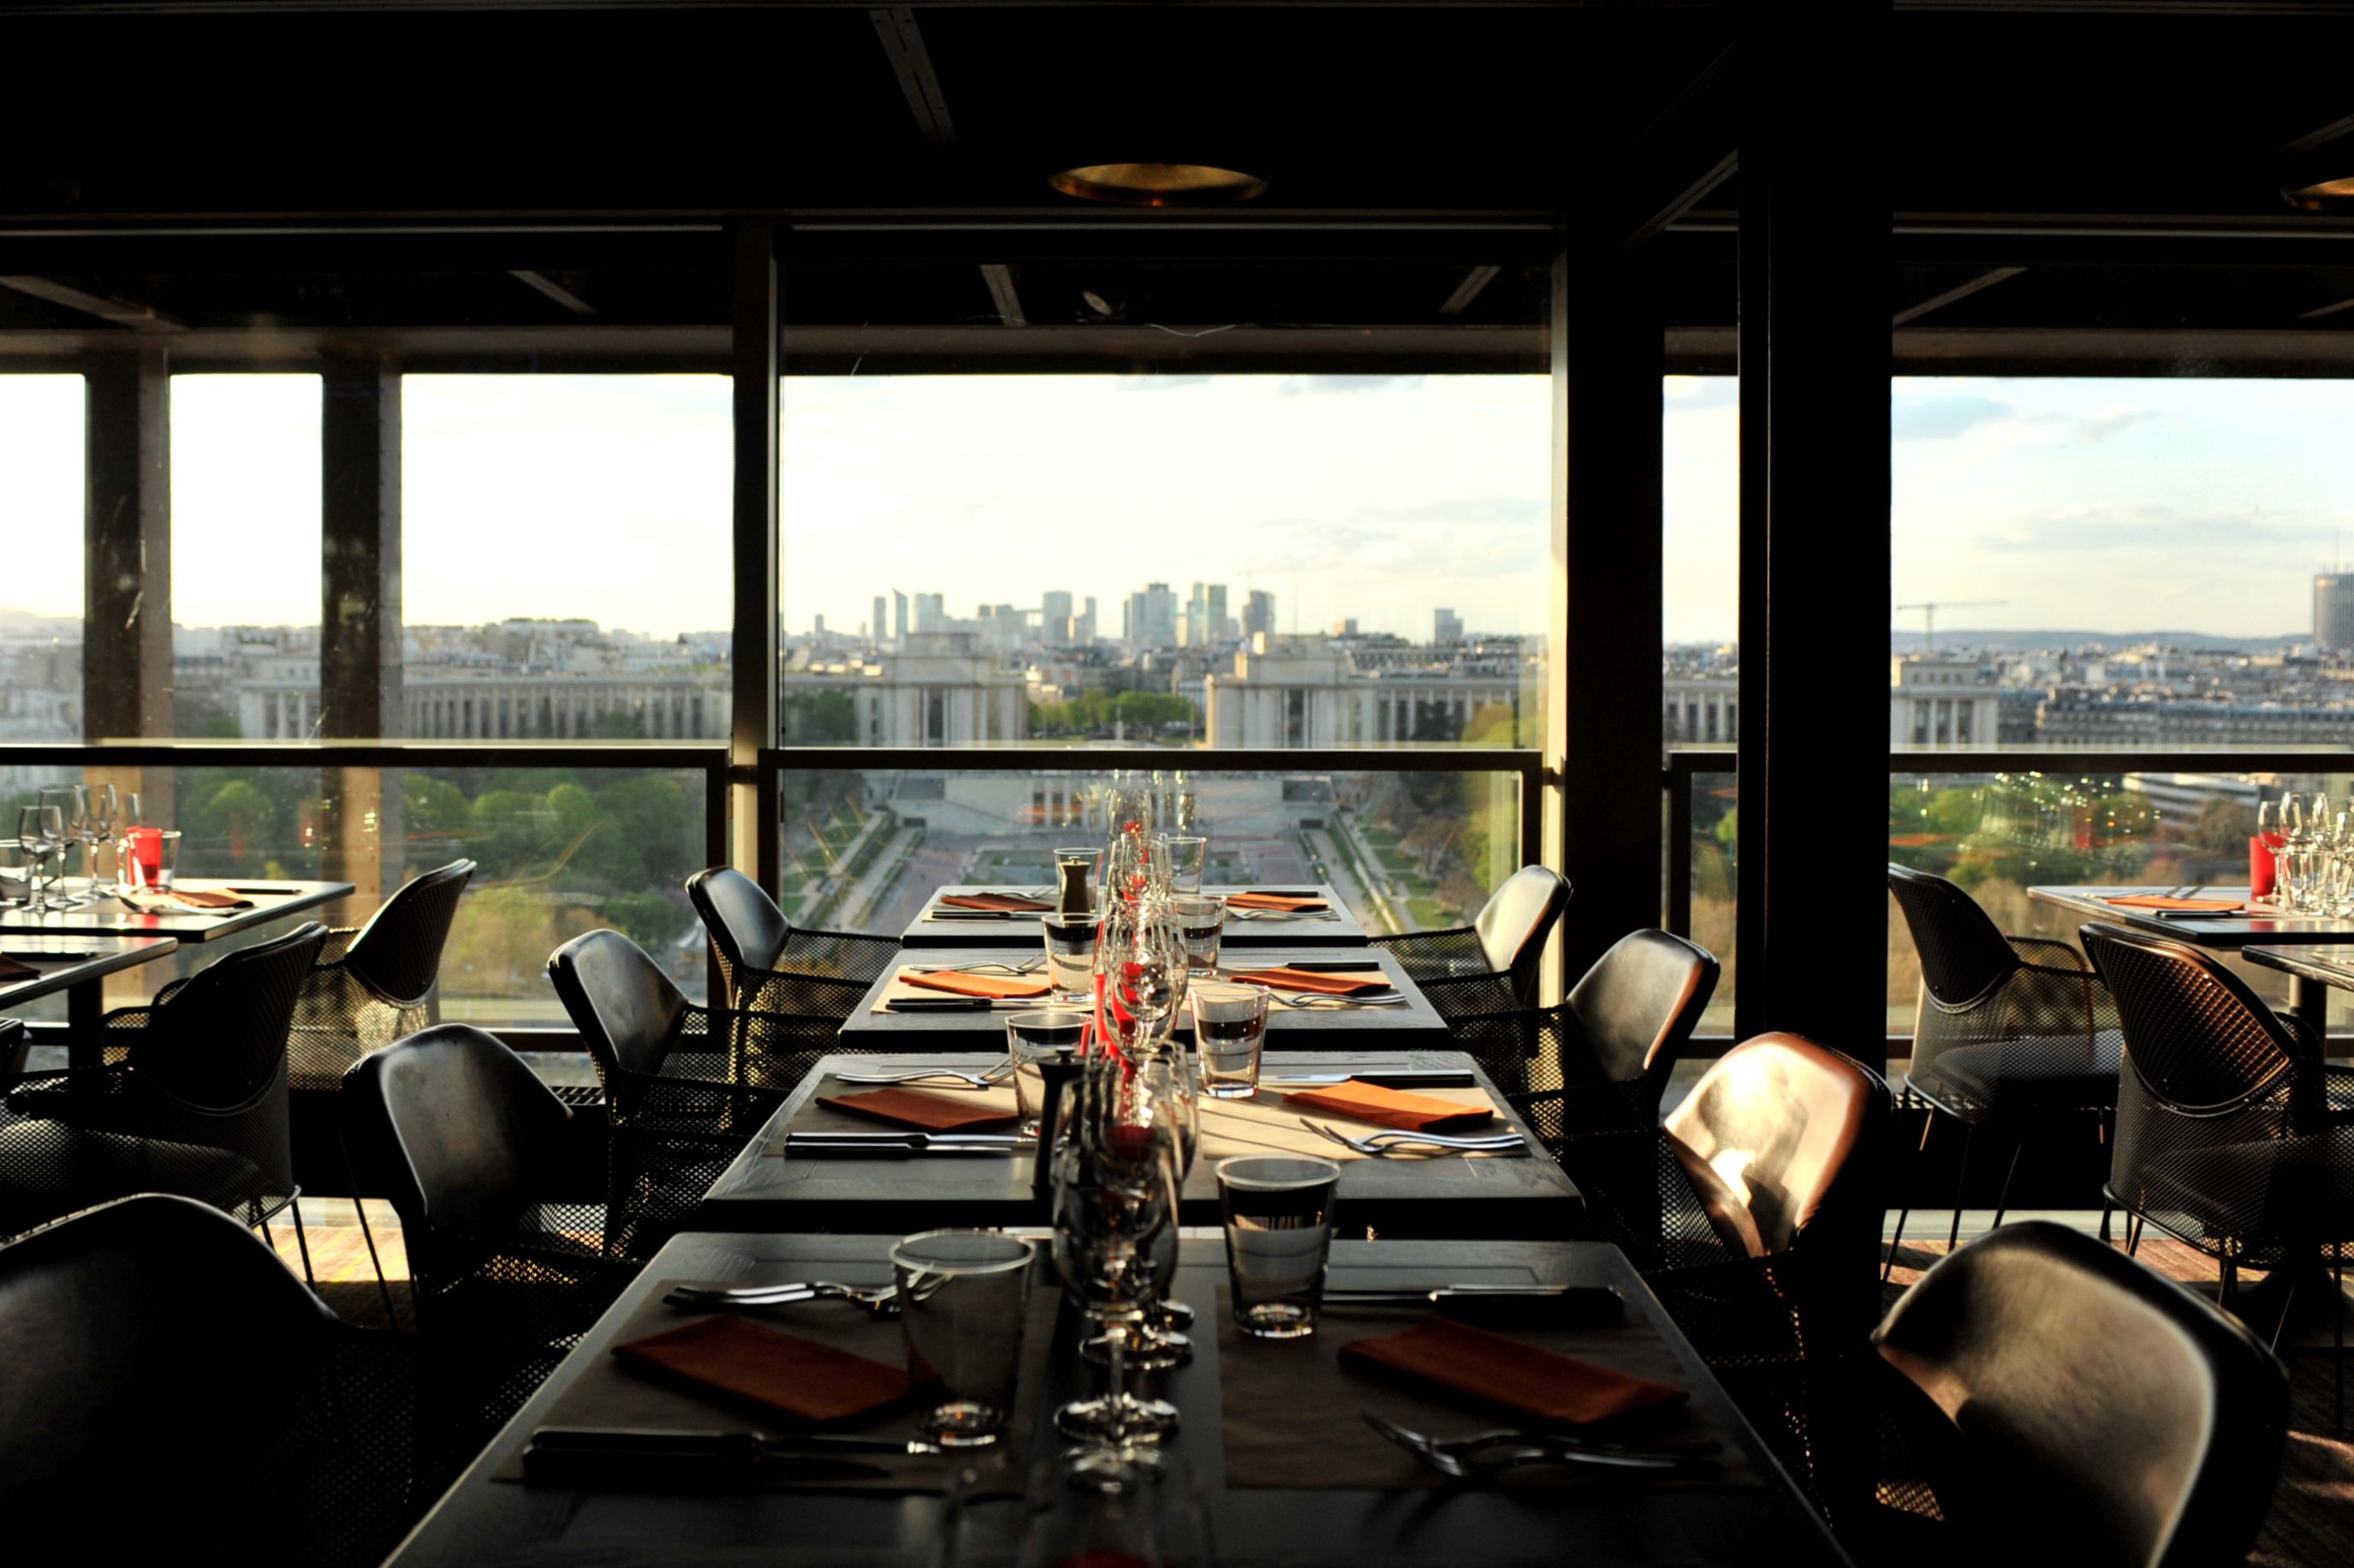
(1157,185)
(2321,195)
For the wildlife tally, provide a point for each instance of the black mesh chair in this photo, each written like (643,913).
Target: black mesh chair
(1598,1063)
(15,1046)
(376,983)
(766,966)
(190,1099)
(461,1136)
(1458,968)
(685,1086)
(168,1381)
(2011,1427)
(2017,1031)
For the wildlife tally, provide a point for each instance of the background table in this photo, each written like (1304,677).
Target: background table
(1603,1523)
(1416,1023)
(1522,1196)
(1022,929)
(75,964)
(112,917)
(2307,999)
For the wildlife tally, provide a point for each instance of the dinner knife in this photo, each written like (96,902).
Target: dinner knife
(1388,1078)
(887,1143)
(721,1444)
(939,1004)
(1563,1304)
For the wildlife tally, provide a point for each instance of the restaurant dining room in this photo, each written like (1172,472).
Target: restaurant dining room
(752,813)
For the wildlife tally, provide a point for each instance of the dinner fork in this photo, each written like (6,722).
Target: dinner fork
(1023,968)
(1385,1142)
(1486,1451)
(1312,999)
(989,1079)
(880,1299)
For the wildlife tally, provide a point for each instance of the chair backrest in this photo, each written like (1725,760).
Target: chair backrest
(456,1130)
(624,1006)
(398,952)
(159,1323)
(745,923)
(1512,924)
(2115,1415)
(1963,954)
(1642,1000)
(1783,1136)
(2196,1036)
(16,1044)
(218,1042)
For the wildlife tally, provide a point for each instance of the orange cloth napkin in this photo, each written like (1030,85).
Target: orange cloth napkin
(997,988)
(1352,983)
(913,1108)
(1274,901)
(756,1364)
(1005,903)
(1558,1390)
(1393,1107)
(2150,901)
(162,900)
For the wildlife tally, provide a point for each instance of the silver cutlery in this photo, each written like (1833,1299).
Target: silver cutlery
(1435,1295)
(1390,1142)
(886,1143)
(1315,999)
(987,966)
(719,1445)
(879,1299)
(1281,914)
(1483,1453)
(989,1079)
(1389,1077)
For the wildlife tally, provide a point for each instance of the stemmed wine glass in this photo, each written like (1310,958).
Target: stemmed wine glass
(41,830)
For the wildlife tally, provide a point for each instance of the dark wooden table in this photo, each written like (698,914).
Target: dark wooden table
(113,918)
(1518,1197)
(1416,1023)
(1341,930)
(76,965)
(1747,1519)
(2307,999)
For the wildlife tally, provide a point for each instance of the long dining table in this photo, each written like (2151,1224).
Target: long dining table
(1273,1461)
(939,925)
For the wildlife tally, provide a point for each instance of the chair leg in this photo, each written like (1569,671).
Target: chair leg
(1905,1209)
(2002,1200)
(2337,1336)
(2229,1288)
(2133,1234)
(303,1245)
(2106,1209)
(359,1207)
(2287,1301)
(1961,1181)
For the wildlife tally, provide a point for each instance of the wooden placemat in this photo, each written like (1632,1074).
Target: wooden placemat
(606,1393)
(1291,1411)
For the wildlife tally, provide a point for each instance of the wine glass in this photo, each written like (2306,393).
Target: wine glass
(1141,958)
(72,803)
(41,830)
(103,805)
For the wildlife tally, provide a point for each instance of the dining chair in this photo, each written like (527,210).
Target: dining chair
(1599,1062)
(189,1098)
(766,966)
(375,984)
(168,1382)
(462,1138)
(2234,1135)
(685,1086)
(1454,967)
(2041,1395)
(2014,1033)
(15,1046)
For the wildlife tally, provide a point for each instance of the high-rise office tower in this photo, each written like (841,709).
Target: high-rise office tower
(899,619)
(1258,613)
(931,612)
(2333,610)
(1084,632)
(818,626)
(1446,627)
(879,629)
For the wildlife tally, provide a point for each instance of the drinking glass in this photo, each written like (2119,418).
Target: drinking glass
(1279,1220)
(1142,960)
(105,806)
(151,858)
(1200,921)
(1071,943)
(1229,1030)
(1158,1342)
(1185,854)
(41,833)
(15,871)
(963,1298)
(72,804)
(1031,1040)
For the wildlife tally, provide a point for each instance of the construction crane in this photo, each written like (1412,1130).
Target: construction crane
(1929,608)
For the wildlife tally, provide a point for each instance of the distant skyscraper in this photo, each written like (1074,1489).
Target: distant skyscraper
(1345,628)
(1054,605)
(2333,610)
(1446,627)
(881,628)
(1258,614)
(899,619)
(819,625)
(1084,632)
(931,612)
(1152,617)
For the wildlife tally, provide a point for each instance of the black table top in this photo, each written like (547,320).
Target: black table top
(1416,1023)
(2331,964)
(1521,1196)
(108,918)
(1744,1521)
(70,960)
(1340,929)
(2225,932)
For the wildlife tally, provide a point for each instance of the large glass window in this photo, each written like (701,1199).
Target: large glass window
(41,528)
(1700,649)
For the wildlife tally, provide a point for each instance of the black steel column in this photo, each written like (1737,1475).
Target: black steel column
(1607,361)
(126,648)
(1814,528)
(753,365)
(360,673)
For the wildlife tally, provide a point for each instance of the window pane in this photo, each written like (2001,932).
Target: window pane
(565,556)
(1223,560)
(244,556)
(42,508)
(1700,652)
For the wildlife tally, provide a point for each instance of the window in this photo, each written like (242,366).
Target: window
(41,525)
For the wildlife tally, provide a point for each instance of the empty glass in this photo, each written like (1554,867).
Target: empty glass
(41,833)
(963,1298)
(1229,1029)
(1033,1040)
(1200,921)
(1185,855)
(151,858)
(1279,1220)
(1071,943)
(15,871)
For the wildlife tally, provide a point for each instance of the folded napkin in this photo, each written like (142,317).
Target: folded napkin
(913,1108)
(1557,1390)
(755,1364)
(1002,903)
(2151,901)
(1278,901)
(1354,982)
(163,900)
(1393,1107)
(10,969)
(997,988)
